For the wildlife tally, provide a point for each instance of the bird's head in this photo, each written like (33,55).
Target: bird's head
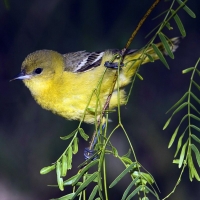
(40,69)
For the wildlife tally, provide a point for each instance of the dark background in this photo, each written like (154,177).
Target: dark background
(29,135)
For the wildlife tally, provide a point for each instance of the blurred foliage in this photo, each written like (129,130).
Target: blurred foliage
(7,4)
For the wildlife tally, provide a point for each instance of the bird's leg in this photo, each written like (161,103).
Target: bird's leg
(89,151)
(112,65)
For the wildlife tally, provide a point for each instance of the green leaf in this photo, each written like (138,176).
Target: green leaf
(126,160)
(178,102)
(169,26)
(173,137)
(182,154)
(46,170)
(93,193)
(127,154)
(129,187)
(59,179)
(87,175)
(179,24)
(149,57)
(71,180)
(91,110)
(75,145)
(196,174)
(190,166)
(185,71)
(197,154)
(66,197)
(139,76)
(196,70)
(179,144)
(166,45)
(134,192)
(69,136)
(197,86)
(85,183)
(147,177)
(100,188)
(176,161)
(69,158)
(64,166)
(195,97)
(120,176)
(194,108)
(83,134)
(180,108)
(115,152)
(195,117)
(160,55)
(152,192)
(187,9)
(195,127)
(85,169)
(167,123)
(192,169)
(195,138)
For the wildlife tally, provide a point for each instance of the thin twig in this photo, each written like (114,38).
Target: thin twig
(139,25)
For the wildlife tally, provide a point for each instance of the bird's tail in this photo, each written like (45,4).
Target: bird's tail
(135,58)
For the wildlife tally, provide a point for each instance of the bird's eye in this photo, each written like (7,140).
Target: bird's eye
(38,70)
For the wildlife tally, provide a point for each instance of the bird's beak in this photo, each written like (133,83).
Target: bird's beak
(22,76)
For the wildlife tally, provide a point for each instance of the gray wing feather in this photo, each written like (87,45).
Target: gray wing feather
(81,61)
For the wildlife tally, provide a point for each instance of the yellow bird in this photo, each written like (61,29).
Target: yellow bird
(68,84)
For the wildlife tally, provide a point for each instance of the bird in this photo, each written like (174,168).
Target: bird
(76,85)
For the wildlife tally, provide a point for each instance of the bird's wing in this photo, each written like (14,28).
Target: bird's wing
(82,61)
